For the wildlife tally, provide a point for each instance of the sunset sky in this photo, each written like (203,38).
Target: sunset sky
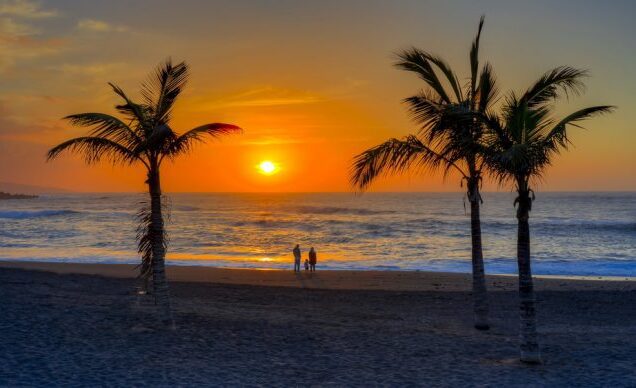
(311,83)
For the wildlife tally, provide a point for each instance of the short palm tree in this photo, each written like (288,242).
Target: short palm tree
(524,142)
(450,138)
(144,136)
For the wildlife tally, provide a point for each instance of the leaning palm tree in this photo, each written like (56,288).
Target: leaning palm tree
(450,138)
(524,142)
(143,136)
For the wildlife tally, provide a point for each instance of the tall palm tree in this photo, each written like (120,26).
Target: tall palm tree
(450,138)
(524,142)
(144,136)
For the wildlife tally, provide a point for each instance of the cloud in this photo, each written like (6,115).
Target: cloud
(99,26)
(274,101)
(17,43)
(287,139)
(273,140)
(19,39)
(19,121)
(25,9)
(10,29)
(91,69)
(267,97)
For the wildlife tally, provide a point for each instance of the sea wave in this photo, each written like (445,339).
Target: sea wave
(186,208)
(566,226)
(26,214)
(572,234)
(338,210)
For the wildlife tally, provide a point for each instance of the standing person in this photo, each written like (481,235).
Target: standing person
(296,258)
(313,258)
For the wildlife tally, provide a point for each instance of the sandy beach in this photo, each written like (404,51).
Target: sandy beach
(333,280)
(83,324)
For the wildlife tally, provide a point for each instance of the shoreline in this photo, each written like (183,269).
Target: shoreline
(331,279)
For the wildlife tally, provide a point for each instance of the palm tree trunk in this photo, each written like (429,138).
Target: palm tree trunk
(480,293)
(529,345)
(160,284)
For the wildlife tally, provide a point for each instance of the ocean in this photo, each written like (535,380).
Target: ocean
(571,233)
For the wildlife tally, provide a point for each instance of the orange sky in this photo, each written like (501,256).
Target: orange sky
(310,82)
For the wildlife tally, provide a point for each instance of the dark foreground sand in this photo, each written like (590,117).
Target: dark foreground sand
(398,329)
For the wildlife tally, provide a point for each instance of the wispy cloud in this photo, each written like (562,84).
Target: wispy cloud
(19,38)
(268,97)
(274,101)
(90,69)
(19,121)
(25,9)
(272,140)
(99,26)
(10,29)
(26,48)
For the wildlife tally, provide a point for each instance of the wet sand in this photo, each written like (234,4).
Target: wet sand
(80,324)
(332,280)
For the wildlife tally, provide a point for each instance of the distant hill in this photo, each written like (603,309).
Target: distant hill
(9,187)
(4,195)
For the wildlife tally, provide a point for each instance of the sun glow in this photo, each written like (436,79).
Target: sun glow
(267,167)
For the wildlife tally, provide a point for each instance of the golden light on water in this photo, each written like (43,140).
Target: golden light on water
(267,167)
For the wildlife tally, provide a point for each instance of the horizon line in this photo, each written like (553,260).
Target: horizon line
(333,192)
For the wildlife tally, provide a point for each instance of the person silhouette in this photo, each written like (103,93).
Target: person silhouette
(296,252)
(313,258)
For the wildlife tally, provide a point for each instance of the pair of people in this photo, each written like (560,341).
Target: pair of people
(310,263)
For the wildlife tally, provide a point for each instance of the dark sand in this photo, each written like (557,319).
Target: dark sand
(80,329)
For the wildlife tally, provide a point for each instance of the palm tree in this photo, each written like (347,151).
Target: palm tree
(144,136)
(450,138)
(524,142)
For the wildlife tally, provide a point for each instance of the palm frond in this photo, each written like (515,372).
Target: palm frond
(474,58)
(93,149)
(184,142)
(496,131)
(158,141)
(162,88)
(418,61)
(558,134)
(526,144)
(392,157)
(451,77)
(133,111)
(106,126)
(425,110)
(563,79)
(450,133)
(438,120)
(487,90)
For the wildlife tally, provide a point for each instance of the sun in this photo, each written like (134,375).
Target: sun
(267,167)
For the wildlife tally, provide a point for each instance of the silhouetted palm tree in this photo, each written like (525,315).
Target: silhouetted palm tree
(144,136)
(450,138)
(524,141)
